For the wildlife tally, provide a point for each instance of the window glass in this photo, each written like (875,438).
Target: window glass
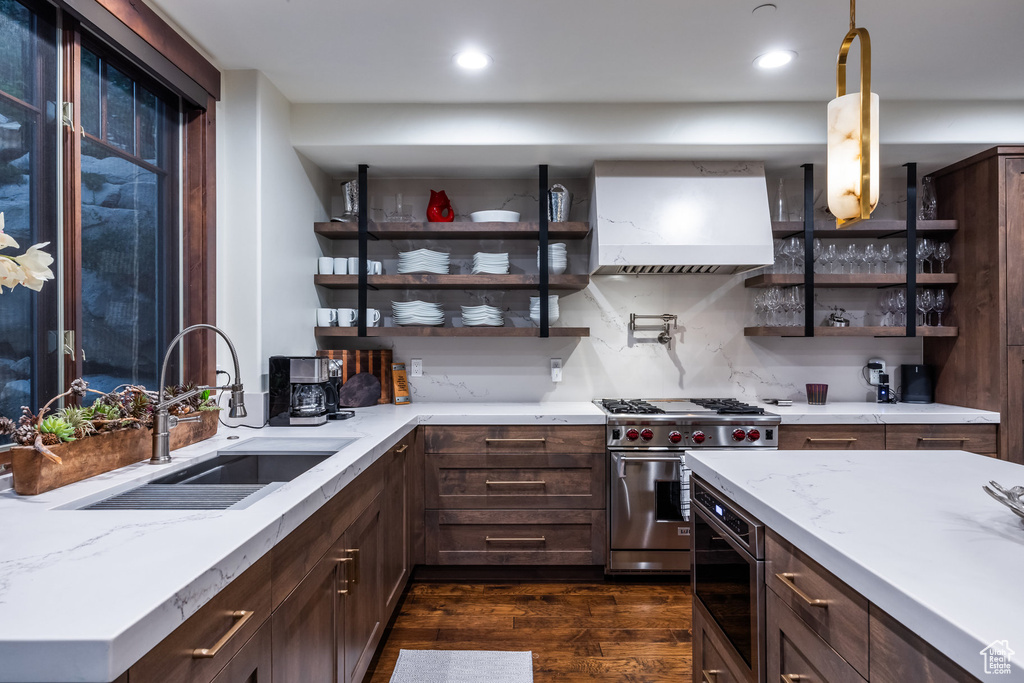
(120,109)
(17,50)
(90,99)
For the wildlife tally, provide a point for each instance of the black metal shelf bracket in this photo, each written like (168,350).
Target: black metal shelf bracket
(808,249)
(364,233)
(542,250)
(911,249)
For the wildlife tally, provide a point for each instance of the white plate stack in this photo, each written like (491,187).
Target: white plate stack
(417,313)
(557,259)
(423,261)
(552,309)
(493,264)
(482,316)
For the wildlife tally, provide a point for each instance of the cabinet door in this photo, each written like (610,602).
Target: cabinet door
(1012,427)
(395,522)
(363,604)
(251,664)
(1014,251)
(305,627)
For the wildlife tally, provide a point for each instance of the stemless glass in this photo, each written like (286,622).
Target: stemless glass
(942,254)
(941,305)
(885,255)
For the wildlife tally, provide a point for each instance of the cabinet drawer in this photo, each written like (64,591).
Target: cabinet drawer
(841,620)
(975,438)
(516,537)
(795,653)
(897,655)
(515,439)
(831,437)
(218,622)
(469,481)
(710,665)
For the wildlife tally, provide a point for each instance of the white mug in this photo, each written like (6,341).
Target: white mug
(326,317)
(341,266)
(374,268)
(372,317)
(325,265)
(347,317)
(353,265)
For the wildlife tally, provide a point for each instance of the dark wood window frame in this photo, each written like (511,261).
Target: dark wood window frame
(146,41)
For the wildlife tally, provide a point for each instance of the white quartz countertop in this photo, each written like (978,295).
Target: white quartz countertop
(853,412)
(84,594)
(910,530)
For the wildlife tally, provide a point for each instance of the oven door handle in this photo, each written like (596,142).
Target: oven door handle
(623,459)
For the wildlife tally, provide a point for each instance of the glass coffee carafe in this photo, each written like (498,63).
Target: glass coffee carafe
(308,400)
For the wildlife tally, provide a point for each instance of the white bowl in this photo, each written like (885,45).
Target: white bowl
(495,216)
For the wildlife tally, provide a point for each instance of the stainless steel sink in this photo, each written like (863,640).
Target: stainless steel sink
(234,478)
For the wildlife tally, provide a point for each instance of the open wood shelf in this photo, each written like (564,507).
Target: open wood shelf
(565,283)
(423,331)
(529,230)
(825,331)
(878,227)
(850,280)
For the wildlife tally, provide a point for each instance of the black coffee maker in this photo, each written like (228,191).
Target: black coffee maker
(300,391)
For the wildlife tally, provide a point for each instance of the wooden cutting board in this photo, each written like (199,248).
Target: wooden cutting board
(376,362)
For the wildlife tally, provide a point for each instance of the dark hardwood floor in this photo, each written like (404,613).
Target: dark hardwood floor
(611,631)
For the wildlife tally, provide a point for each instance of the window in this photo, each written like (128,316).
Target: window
(132,174)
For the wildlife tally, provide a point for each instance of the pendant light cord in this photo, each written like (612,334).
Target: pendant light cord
(853,14)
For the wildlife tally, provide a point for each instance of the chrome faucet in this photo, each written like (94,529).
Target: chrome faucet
(163,421)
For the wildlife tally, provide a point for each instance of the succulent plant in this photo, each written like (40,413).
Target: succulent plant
(57,427)
(78,419)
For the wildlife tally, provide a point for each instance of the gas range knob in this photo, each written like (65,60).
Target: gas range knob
(632,434)
(738,435)
(646,434)
(698,437)
(753,435)
(675,437)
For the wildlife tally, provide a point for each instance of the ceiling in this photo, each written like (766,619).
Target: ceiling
(391,51)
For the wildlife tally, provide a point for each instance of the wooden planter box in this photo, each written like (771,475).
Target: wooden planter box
(34,474)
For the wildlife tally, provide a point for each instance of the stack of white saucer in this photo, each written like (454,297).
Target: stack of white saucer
(494,264)
(552,309)
(482,316)
(423,261)
(417,313)
(557,259)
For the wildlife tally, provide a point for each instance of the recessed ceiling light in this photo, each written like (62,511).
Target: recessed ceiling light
(472,60)
(775,59)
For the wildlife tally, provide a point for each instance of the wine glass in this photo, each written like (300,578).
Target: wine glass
(779,266)
(851,257)
(886,303)
(901,259)
(925,301)
(786,303)
(940,305)
(942,253)
(831,257)
(870,256)
(901,307)
(885,255)
(800,305)
(795,250)
(772,301)
(816,251)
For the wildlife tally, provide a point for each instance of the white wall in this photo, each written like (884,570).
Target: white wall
(269,197)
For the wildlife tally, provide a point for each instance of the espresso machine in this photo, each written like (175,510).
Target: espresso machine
(300,389)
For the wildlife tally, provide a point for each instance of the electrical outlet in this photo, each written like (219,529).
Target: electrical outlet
(556,369)
(875,369)
(416,367)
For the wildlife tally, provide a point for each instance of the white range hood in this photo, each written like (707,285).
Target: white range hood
(679,217)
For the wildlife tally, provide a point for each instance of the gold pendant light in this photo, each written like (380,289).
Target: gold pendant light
(853,137)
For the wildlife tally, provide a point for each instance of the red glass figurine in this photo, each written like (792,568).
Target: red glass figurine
(439,210)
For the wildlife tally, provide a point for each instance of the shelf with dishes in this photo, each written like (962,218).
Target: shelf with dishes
(425,331)
(863,331)
(564,282)
(875,227)
(525,230)
(850,280)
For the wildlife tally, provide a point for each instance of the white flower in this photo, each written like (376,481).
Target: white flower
(5,239)
(11,274)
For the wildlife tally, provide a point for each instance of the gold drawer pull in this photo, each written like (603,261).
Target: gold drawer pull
(538,482)
(708,676)
(849,439)
(539,539)
(403,449)
(787,578)
(791,678)
(942,438)
(538,440)
(241,616)
(341,562)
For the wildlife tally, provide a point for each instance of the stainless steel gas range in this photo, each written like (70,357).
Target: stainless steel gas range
(648,496)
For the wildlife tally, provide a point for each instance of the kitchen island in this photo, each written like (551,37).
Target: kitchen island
(910,531)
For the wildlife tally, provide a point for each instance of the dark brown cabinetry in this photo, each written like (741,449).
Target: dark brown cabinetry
(515,494)
(396,560)
(251,664)
(985,195)
(981,439)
